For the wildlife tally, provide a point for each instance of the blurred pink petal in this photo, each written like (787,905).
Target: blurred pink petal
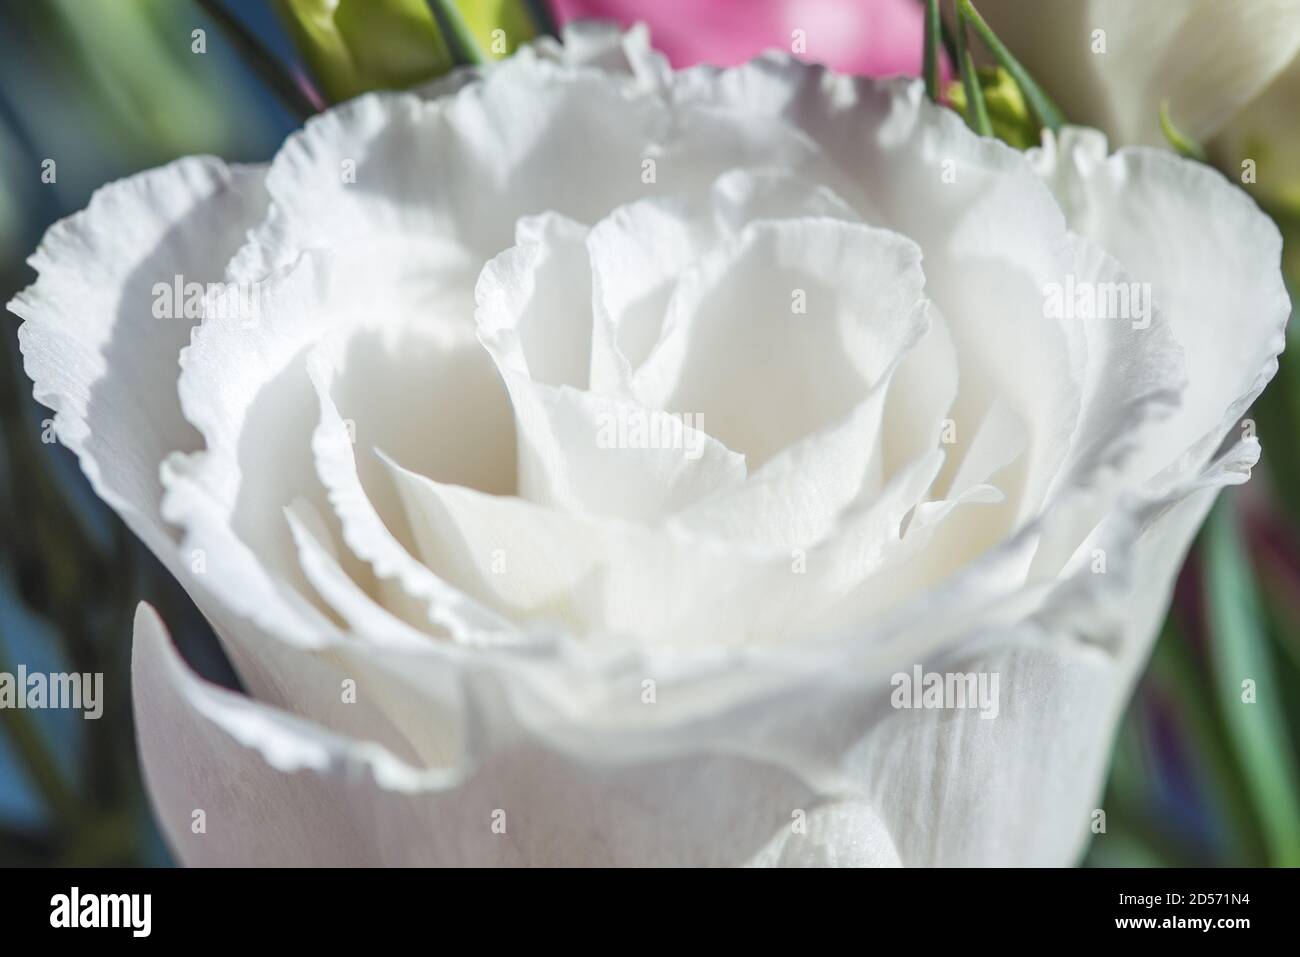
(873,37)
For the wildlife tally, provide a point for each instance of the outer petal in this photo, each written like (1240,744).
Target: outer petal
(609,48)
(101,357)
(249,389)
(109,365)
(95,348)
(278,791)
(363,169)
(1212,261)
(950,787)
(612,785)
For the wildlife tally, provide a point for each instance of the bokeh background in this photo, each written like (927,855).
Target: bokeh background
(109,87)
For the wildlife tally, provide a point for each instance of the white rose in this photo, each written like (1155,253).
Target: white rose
(493,604)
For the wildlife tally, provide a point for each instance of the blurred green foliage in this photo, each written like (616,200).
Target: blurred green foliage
(358,45)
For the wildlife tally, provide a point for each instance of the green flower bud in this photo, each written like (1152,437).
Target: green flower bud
(1012,121)
(356,45)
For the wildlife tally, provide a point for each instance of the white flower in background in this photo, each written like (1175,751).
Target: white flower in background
(1229,69)
(472,631)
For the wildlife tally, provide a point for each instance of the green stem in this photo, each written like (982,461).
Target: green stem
(1185,145)
(1256,726)
(977,113)
(932,30)
(1045,111)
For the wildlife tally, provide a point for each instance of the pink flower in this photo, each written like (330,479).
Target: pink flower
(873,37)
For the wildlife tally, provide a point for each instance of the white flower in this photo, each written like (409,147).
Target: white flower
(582,449)
(1229,69)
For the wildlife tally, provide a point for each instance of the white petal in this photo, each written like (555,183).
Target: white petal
(1134,385)
(920,398)
(92,343)
(279,791)
(610,583)
(528,561)
(320,564)
(797,496)
(578,450)
(273,789)
(405,585)
(365,168)
(1211,258)
(768,341)
(742,196)
(534,303)
(1018,788)
(248,387)
(639,251)
(610,48)
(244,387)
(602,456)
(993,239)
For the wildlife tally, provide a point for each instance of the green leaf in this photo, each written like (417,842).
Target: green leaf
(353,46)
(1008,114)
(1047,112)
(932,38)
(499,27)
(1175,671)
(1177,139)
(393,44)
(1240,653)
(310,24)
